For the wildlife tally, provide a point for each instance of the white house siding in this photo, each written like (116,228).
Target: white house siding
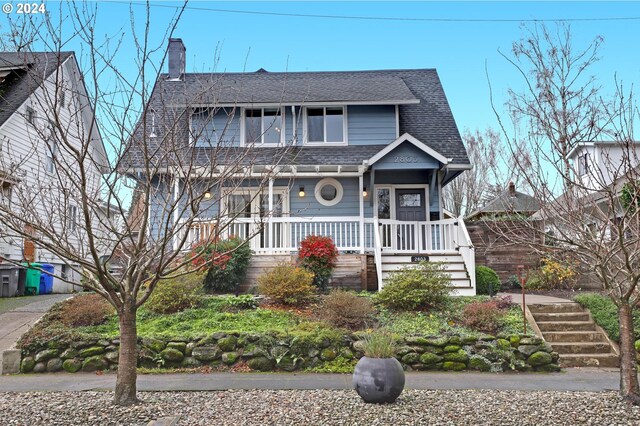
(23,145)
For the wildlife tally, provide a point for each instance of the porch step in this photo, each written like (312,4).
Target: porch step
(555,308)
(573,334)
(582,348)
(566,326)
(561,316)
(592,360)
(453,264)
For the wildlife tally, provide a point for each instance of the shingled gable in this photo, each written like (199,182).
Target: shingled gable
(407,138)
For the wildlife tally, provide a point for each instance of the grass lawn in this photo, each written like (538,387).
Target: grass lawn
(214,316)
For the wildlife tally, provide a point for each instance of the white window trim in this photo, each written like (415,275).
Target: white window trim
(73,222)
(51,156)
(392,198)
(254,194)
(328,181)
(305,127)
(243,129)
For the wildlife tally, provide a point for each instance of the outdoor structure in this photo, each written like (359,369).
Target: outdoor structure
(30,153)
(360,156)
(487,224)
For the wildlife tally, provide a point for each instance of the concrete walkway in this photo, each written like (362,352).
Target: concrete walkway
(16,322)
(535,299)
(573,379)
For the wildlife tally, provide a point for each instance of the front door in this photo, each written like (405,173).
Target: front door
(410,205)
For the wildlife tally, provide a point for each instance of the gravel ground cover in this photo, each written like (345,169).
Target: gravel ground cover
(322,407)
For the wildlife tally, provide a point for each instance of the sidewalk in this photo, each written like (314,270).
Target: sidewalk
(572,379)
(17,321)
(535,299)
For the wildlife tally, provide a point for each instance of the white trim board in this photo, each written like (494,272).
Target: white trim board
(406,137)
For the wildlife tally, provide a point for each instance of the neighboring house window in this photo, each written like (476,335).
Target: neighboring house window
(325,125)
(31,115)
(5,194)
(583,164)
(52,152)
(328,192)
(62,98)
(263,126)
(72,218)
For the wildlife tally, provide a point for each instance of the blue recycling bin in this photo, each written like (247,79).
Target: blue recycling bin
(46,279)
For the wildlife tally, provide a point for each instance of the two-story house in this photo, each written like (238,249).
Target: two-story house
(35,88)
(360,156)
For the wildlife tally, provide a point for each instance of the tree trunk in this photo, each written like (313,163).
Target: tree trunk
(128,358)
(629,388)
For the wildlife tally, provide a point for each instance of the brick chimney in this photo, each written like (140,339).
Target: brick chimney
(512,189)
(176,53)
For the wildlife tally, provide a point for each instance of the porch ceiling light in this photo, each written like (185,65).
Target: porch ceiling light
(207,195)
(301,192)
(364,191)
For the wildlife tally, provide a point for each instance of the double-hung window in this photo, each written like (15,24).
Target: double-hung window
(325,125)
(263,126)
(72,218)
(583,164)
(52,152)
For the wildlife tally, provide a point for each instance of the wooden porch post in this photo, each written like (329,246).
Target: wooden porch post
(270,216)
(176,211)
(361,198)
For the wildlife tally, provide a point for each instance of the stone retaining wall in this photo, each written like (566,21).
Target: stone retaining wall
(271,353)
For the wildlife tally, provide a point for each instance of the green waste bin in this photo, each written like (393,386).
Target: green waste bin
(32,283)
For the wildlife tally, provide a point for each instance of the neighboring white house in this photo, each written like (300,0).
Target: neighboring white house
(598,164)
(32,87)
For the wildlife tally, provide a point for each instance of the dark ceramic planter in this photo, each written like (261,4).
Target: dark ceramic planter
(378,380)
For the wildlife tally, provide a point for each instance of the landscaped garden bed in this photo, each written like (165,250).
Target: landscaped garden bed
(230,333)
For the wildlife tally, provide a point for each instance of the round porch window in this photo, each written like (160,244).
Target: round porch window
(328,192)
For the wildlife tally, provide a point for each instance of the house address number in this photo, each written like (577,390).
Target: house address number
(405,159)
(419,258)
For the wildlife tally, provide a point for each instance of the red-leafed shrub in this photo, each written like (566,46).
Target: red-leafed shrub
(225,261)
(483,316)
(318,255)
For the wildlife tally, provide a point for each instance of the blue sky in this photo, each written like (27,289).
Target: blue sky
(458,50)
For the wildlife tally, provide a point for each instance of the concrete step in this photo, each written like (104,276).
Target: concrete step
(566,326)
(573,336)
(582,348)
(589,360)
(556,307)
(561,316)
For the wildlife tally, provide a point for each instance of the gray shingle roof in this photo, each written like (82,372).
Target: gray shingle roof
(286,88)
(31,69)
(510,204)
(430,120)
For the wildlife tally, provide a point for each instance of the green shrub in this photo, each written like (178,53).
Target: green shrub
(238,303)
(536,281)
(226,263)
(487,280)
(347,310)
(423,286)
(318,255)
(176,294)
(605,314)
(512,283)
(483,316)
(287,284)
(379,344)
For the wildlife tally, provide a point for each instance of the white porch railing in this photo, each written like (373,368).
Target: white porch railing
(418,237)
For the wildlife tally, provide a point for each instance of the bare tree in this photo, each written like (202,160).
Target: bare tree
(493,170)
(80,169)
(588,201)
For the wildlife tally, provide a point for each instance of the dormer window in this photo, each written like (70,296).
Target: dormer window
(325,125)
(583,164)
(263,126)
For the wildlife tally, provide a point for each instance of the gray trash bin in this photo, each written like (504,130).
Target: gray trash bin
(9,275)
